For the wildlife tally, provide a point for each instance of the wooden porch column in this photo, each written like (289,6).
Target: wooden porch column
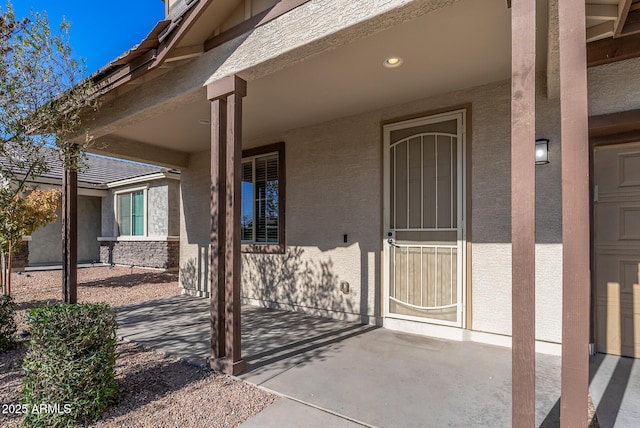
(523,128)
(225,263)
(575,213)
(70,236)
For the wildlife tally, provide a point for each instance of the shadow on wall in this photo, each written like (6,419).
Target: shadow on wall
(189,275)
(194,274)
(291,280)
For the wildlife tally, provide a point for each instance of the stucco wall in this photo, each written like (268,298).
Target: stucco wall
(108,216)
(334,188)
(174,207)
(609,92)
(163,199)
(158,209)
(46,246)
(195,225)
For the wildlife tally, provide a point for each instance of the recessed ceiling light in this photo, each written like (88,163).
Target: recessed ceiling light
(204,122)
(392,62)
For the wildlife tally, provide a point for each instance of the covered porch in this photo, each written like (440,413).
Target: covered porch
(327,98)
(340,374)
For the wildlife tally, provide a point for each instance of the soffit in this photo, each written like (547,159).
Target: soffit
(461,46)
(464,45)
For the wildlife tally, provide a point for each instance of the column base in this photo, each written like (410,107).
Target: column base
(227,366)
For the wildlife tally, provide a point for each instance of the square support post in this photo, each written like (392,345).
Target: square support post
(576,278)
(523,127)
(225,263)
(70,236)
(218,226)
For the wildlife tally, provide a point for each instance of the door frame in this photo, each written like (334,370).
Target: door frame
(605,130)
(464,166)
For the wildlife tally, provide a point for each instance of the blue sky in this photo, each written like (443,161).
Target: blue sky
(100,31)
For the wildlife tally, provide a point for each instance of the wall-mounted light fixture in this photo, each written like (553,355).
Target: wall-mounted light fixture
(542,151)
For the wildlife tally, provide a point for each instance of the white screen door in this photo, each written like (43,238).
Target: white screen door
(424,251)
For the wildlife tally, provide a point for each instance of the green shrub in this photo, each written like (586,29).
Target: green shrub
(7,323)
(70,364)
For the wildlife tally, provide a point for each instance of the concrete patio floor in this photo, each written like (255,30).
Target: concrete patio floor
(339,374)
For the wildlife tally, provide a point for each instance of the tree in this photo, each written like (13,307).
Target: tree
(23,217)
(42,96)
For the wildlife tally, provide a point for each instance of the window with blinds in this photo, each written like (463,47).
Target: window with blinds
(131,213)
(260,199)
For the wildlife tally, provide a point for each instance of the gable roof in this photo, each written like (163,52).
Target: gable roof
(102,170)
(99,170)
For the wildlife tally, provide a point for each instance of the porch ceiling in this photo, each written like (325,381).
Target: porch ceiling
(457,47)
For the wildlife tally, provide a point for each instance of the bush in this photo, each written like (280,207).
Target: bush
(7,323)
(70,364)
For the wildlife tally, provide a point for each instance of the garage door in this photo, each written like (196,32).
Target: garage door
(617,249)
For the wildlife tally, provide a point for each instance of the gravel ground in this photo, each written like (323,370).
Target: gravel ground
(155,391)
(118,286)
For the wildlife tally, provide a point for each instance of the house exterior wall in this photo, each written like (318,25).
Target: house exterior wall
(174,207)
(46,243)
(334,188)
(608,93)
(20,260)
(108,216)
(158,209)
(160,247)
(152,254)
(195,225)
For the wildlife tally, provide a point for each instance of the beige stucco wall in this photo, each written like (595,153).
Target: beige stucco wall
(334,188)
(45,247)
(173,188)
(163,216)
(195,225)
(614,87)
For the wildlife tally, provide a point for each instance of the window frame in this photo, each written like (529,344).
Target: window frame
(270,248)
(116,211)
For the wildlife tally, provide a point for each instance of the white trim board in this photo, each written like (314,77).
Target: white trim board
(138,238)
(144,178)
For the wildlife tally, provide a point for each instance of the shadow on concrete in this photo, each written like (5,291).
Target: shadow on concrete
(615,387)
(180,327)
(553,418)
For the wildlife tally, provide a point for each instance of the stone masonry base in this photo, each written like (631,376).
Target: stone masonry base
(151,254)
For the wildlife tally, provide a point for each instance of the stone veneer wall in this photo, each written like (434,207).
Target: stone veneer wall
(152,254)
